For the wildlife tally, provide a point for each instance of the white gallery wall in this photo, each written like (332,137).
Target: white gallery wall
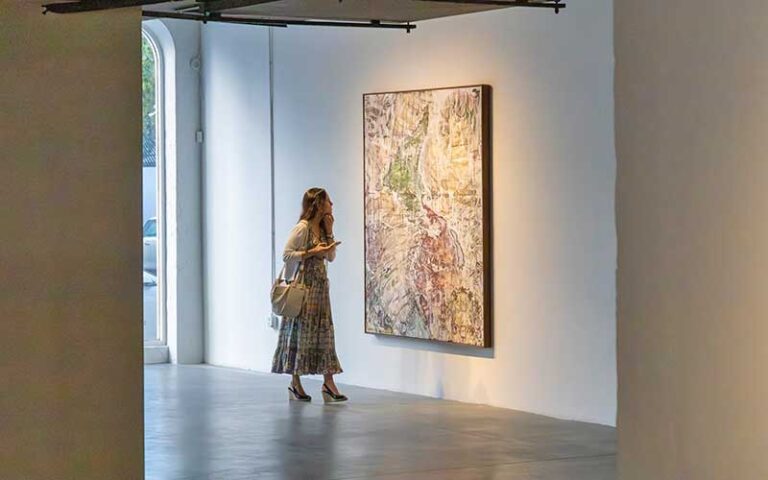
(236,195)
(554,255)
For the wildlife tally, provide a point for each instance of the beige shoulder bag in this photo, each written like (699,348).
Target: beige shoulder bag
(288,297)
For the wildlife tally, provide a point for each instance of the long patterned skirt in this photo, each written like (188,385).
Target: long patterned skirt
(306,343)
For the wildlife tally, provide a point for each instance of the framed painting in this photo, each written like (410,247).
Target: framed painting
(427,170)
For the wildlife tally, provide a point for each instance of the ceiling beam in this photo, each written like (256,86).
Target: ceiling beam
(95,5)
(267,22)
(276,22)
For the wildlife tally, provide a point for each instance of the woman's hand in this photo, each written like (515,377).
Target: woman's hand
(321,249)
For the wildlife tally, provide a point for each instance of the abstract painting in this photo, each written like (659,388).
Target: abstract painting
(427,214)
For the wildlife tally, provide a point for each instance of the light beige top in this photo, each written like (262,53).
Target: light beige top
(296,244)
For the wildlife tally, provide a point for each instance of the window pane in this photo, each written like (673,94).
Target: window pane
(149,76)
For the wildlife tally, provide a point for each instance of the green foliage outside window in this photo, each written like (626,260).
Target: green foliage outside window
(148,75)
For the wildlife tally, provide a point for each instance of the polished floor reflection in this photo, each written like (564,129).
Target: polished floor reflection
(212,423)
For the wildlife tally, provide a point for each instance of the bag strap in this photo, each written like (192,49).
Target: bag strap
(300,270)
(281,275)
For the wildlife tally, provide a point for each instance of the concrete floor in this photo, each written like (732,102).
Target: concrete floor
(212,423)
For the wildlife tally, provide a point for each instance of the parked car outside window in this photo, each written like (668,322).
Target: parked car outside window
(150,246)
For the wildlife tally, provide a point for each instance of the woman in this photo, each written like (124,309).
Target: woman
(306,344)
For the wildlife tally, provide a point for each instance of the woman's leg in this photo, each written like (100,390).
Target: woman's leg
(296,383)
(328,379)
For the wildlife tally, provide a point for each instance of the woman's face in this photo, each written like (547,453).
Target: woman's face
(328,207)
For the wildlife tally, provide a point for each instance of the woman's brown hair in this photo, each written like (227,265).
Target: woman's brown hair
(313,201)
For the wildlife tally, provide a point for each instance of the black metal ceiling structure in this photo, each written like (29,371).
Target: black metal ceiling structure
(385,14)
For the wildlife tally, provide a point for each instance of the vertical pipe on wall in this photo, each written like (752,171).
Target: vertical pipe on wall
(272,151)
(202,84)
(202,216)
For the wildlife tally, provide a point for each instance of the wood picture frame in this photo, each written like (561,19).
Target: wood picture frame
(436,157)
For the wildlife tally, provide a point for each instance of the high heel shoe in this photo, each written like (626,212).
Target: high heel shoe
(294,394)
(330,397)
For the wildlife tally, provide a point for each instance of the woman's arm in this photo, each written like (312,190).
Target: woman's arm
(330,255)
(296,247)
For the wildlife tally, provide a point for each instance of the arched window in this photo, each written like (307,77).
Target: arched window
(152,191)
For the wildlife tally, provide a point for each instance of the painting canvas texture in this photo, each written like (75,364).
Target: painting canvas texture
(425,218)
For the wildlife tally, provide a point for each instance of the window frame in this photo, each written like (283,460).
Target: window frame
(160,138)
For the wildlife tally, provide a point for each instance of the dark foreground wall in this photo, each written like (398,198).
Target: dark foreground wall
(70,246)
(692,218)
